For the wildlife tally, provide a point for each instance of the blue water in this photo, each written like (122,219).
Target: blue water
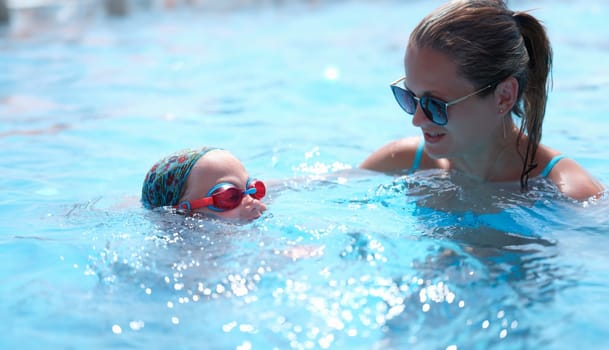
(343,259)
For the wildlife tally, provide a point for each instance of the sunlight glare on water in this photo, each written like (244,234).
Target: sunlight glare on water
(343,258)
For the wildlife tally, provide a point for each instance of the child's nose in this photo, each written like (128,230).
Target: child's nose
(252,208)
(261,206)
(253,202)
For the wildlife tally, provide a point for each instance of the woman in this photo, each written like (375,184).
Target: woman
(471,65)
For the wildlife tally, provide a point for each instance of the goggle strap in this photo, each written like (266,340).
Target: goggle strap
(212,208)
(196,203)
(217,187)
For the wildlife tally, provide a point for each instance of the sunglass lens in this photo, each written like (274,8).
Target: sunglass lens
(404,99)
(434,110)
(227,198)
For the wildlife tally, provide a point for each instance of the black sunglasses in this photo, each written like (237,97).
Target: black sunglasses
(435,109)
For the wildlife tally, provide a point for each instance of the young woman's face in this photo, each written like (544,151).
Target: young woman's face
(217,167)
(471,123)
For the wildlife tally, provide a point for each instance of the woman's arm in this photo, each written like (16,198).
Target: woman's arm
(394,156)
(574,181)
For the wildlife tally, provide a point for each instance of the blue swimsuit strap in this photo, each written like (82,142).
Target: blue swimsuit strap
(417,158)
(546,171)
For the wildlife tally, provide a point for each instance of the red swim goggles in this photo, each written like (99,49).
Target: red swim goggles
(225,196)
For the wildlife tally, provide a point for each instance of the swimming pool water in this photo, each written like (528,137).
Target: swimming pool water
(342,258)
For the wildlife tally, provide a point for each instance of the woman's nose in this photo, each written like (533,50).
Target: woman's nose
(419,118)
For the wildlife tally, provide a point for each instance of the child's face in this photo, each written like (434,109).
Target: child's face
(216,167)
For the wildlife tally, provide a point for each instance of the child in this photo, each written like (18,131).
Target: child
(208,180)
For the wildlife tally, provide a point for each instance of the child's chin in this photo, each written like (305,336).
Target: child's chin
(247,220)
(249,217)
(227,217)
(238,220)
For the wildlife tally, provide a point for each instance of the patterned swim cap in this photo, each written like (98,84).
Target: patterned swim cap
(164,182)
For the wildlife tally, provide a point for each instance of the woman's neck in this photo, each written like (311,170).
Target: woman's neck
(499,161)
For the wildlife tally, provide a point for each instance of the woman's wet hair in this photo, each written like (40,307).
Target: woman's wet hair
(490,43)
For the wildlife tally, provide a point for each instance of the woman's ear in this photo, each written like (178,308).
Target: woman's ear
(506,95)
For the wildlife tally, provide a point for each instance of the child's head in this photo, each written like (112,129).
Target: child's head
(208,180)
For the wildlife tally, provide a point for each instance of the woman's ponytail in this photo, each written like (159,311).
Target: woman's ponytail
(534,87)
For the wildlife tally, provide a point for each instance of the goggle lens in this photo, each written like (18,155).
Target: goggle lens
(227,198)
(260,189)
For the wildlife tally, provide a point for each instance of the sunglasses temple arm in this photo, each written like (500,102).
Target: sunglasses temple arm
(468,96)
(397,81)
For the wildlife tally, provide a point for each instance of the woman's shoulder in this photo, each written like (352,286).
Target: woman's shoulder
(570,177)
(394,156)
